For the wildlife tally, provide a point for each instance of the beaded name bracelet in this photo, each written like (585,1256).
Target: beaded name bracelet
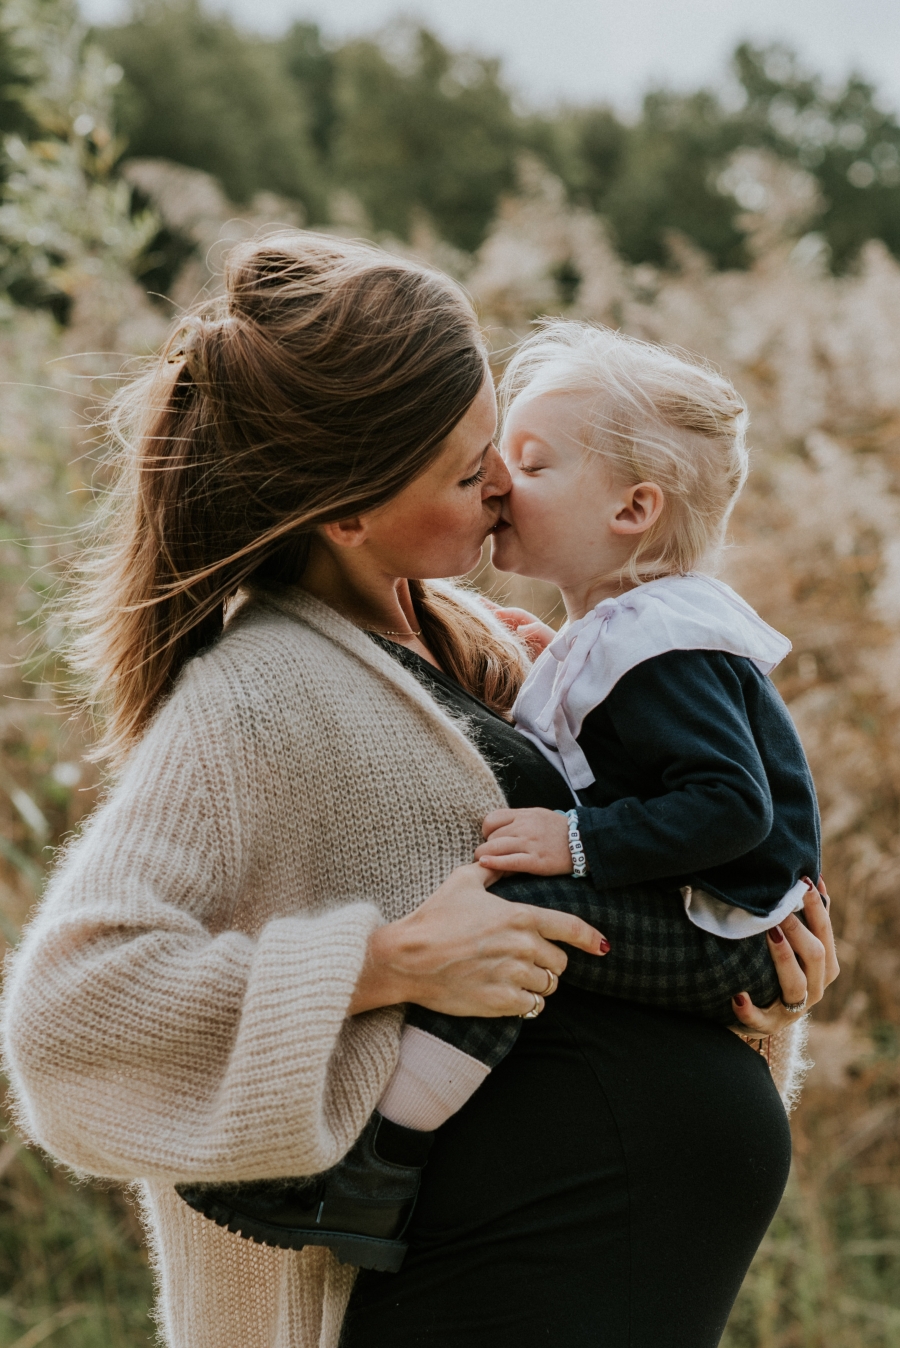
(576,846)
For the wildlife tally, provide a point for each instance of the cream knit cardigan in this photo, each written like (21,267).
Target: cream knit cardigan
(178,1006)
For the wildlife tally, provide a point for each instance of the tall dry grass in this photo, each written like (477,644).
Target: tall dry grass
(816,547)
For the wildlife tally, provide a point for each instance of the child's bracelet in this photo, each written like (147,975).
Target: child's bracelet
(576,846)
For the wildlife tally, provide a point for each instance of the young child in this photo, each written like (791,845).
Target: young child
(653,701)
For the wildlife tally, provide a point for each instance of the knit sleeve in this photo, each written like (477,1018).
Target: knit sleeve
(145,1035)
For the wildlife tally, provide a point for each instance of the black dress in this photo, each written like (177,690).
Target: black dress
(609,1183)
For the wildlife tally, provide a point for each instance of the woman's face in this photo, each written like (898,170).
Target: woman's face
(437,525)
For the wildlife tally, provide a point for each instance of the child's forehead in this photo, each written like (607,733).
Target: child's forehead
(557,416)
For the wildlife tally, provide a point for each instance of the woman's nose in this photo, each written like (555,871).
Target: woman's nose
(497,480)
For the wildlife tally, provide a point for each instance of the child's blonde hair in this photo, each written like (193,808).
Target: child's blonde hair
(658,415)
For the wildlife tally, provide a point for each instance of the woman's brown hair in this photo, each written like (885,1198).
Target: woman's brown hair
(324,381)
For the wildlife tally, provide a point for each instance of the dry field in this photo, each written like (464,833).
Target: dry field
(815,546)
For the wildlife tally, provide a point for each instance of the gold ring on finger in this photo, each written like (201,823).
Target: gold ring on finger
(536,1009)
(552,980)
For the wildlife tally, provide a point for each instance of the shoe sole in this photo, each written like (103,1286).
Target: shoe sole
(382,1256)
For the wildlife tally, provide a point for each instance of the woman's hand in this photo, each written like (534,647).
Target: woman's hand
(805,961)
(536,635)
(466,952)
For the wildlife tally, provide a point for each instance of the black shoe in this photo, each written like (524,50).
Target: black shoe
(359,1209)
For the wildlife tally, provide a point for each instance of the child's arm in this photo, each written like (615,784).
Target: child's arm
(679,719)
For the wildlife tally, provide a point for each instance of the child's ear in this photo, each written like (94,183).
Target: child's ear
(639,509)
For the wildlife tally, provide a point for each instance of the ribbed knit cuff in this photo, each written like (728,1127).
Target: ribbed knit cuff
(432,1080)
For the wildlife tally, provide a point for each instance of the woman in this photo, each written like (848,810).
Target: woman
(210,989)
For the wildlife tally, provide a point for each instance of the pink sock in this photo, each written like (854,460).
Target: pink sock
(431,1081)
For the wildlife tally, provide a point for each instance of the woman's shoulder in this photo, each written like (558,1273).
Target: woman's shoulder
(270,646)
(268,682)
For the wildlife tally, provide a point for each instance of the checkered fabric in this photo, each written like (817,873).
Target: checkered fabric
(658,958)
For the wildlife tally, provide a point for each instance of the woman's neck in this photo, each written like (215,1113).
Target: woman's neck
(368,598)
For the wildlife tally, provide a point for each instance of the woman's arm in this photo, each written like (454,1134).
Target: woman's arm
(146,1036)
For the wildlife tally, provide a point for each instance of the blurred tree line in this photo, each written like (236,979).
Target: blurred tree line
(409,126)
(413,130)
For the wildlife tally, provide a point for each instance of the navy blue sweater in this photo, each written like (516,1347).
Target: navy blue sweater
(700,779)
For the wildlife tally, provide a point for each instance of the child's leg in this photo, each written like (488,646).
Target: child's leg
(657,957)
(443,1060)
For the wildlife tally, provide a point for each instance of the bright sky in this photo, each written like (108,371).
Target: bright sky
(584,50)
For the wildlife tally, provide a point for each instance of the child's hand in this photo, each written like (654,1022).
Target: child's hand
(535,841)
(536,635)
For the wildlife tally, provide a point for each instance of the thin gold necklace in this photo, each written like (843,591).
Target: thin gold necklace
(389,632)
(379,631)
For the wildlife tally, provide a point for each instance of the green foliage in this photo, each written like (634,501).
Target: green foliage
(826,1274)
(203,94)
(664,172)
(311,65)
(660,179)
(410,128)
(405,125)
(65,216)
(843,137)
(13,83)
(423,129)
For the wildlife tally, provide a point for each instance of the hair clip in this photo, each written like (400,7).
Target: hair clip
(189,348)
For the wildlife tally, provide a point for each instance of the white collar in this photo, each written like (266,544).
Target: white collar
(582,665)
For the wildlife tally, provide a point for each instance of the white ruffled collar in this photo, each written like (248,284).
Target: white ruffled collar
(582,665)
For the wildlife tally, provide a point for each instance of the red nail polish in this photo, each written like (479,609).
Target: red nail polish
(605,946)
(777,935)
(739,999)
(806,880)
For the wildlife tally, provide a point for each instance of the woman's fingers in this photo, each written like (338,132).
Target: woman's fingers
(794,988)
(818,918)
(528,1002)
(810,953)
(790,974)
(467,952)
(551,925)
(806,963)
(760,1020)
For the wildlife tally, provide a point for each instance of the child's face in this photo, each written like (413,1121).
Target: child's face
(561,519)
